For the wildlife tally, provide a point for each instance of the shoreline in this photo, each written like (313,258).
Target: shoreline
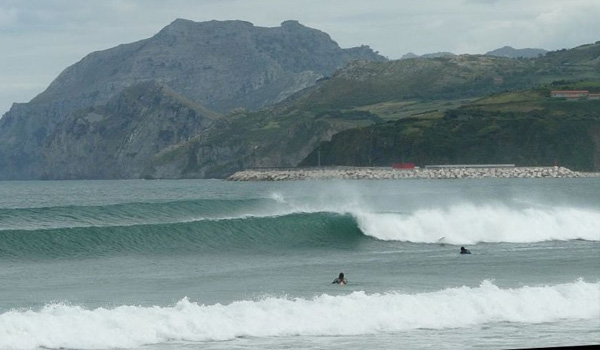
(388,173)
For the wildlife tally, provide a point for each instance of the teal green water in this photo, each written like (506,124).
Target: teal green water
(216,264)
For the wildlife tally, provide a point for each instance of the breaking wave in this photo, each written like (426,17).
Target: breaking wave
(69,326)
(468,224)
(277,222)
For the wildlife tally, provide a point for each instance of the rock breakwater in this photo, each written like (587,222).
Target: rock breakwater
(373,173)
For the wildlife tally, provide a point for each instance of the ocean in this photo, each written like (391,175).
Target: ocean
(212,264)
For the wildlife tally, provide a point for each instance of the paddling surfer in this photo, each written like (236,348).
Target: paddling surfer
(340,280)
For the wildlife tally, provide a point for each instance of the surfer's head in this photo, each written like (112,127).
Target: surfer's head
(341,276)
(462,249)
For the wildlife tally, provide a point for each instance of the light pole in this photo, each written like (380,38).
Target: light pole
(319,156)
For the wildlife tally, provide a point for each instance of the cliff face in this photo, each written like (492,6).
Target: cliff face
(221,65)
(117,140)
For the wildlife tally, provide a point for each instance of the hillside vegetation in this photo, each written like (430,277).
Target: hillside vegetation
(461,109)
(523,128)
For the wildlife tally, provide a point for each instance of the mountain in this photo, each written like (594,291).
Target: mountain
(505,51)
(365,98)
(510,52)
(427,55)
(355,96)
(409,55)
(220,65)
(149,125)
(437,54)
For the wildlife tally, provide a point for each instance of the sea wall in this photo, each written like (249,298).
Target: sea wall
(285,174)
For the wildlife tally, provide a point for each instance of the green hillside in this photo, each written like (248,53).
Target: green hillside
(461,109)
(524,128)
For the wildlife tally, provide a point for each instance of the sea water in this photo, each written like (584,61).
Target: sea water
(229,265)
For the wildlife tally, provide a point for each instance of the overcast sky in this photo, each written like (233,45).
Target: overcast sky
(40,38)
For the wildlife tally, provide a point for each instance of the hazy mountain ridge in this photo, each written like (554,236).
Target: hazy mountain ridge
(427,55)
(508,51)
(505,51)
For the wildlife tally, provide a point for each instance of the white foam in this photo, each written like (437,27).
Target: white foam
(458,223)
(66,326)
(469,224)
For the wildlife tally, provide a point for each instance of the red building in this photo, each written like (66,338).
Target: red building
(403,165)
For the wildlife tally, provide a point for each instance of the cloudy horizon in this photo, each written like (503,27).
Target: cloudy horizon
(39,39)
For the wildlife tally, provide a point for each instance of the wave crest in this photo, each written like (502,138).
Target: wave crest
(468,224)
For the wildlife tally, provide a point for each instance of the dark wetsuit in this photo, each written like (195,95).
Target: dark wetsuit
(340,279)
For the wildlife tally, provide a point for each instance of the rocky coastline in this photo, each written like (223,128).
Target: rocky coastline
(388,173)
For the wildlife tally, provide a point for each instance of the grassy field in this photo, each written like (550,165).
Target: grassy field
(394,110)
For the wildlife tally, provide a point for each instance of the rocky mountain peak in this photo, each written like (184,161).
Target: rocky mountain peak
(220,65)
(183,28)
(292,23)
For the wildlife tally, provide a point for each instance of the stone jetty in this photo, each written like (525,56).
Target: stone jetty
(380,173)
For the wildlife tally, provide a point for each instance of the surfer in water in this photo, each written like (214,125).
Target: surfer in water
(463,250)
(340,280)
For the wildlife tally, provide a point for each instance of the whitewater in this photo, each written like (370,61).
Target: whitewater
(65,326)
(219,265)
